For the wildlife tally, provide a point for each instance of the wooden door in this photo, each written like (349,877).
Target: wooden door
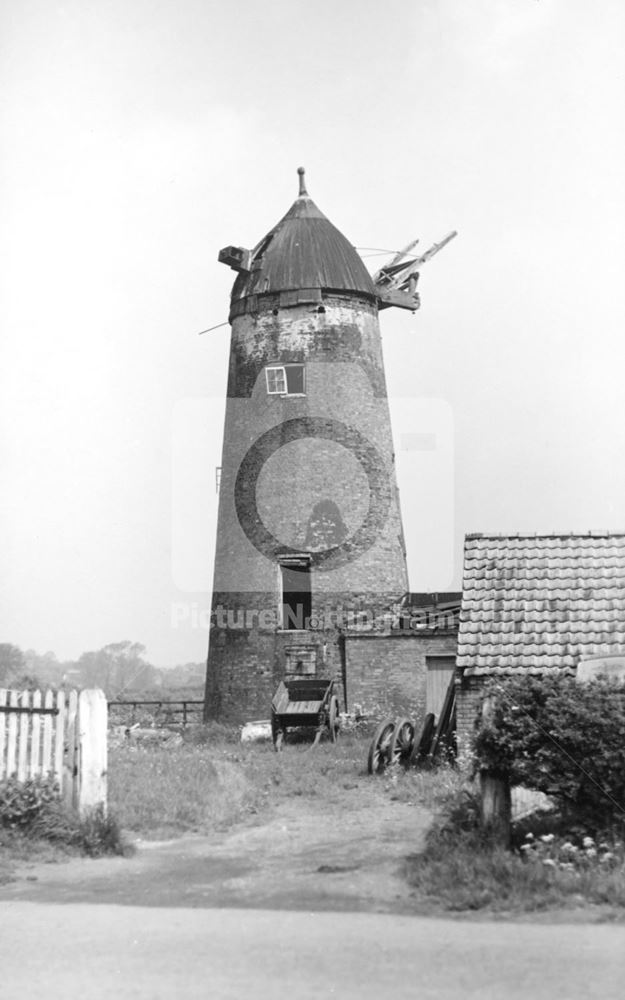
(439,673)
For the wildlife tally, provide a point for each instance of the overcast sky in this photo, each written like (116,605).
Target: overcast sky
(140,136)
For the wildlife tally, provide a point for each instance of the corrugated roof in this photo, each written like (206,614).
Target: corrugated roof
(541,602)
(304,251)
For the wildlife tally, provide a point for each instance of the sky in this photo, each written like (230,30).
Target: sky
(138,138)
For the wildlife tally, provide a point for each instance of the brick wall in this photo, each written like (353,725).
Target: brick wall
(282,458)
(248,651)
(386,674)
(332,444)
(469,699)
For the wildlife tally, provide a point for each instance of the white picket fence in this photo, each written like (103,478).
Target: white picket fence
(58,734)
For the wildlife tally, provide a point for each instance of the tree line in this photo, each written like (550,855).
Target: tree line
(120,669)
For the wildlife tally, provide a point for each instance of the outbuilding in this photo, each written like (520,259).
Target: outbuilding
(538,604)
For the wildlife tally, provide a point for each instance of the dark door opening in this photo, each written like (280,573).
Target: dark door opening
(296,596)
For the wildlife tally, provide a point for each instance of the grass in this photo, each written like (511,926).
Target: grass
(461,870)
(160,791)
(211,782)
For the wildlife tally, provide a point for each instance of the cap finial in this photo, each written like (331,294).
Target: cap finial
(302,183)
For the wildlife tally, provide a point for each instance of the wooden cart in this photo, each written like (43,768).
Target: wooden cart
(304,703)
(400,741)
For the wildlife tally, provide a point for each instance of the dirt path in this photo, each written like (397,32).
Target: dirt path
(298,858)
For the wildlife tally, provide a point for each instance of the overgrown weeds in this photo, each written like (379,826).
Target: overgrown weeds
(159,791)
(462,869)
(211,733)
(32,815)
(210,782)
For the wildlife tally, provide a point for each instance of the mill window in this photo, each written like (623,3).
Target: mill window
(285,380)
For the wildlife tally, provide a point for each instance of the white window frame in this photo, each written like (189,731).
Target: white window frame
(275,369)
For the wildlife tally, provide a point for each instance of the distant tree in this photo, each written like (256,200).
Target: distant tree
(45,668)
(12,663)
(184,675)
(117,667)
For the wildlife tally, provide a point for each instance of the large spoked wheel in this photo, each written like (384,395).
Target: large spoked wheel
(379,749)
(402,742)
(333,718)
(277,733)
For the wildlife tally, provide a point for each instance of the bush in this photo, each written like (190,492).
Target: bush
(22,802)
(34,809)
(562,738)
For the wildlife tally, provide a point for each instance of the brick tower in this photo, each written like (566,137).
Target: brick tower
(309,526)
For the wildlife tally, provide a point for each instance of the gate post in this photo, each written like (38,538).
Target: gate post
(495,807)
(495,802)
(92,750)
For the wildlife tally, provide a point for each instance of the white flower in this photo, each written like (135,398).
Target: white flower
(547,838)
(529,836)
(606,857)
(549,862)
(591,852)
(588,842)
(568,846)
(526,847)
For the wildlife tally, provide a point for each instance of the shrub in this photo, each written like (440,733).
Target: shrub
(33,809)
(22,802)
(99,833)
(562,738)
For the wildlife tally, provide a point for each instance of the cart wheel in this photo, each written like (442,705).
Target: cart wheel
(333,718)
(423,744)
(380,746)
(402,742)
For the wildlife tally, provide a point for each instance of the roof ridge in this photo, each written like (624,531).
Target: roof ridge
(592,533)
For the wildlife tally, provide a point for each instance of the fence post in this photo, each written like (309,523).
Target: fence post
(495,807)
(70,752)
(3,721)
(92,756)
(495,801)
(11,754)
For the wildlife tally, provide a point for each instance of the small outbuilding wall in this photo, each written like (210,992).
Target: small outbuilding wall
(387,674)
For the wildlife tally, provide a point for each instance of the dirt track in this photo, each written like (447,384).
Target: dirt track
(299,858)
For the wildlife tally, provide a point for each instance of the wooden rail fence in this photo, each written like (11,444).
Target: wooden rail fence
(60,735)
(177,706)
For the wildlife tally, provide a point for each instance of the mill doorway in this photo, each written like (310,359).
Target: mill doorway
(296,595)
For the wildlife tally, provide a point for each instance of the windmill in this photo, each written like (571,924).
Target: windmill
(309,520)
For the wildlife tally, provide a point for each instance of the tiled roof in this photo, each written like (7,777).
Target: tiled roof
(541,602)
